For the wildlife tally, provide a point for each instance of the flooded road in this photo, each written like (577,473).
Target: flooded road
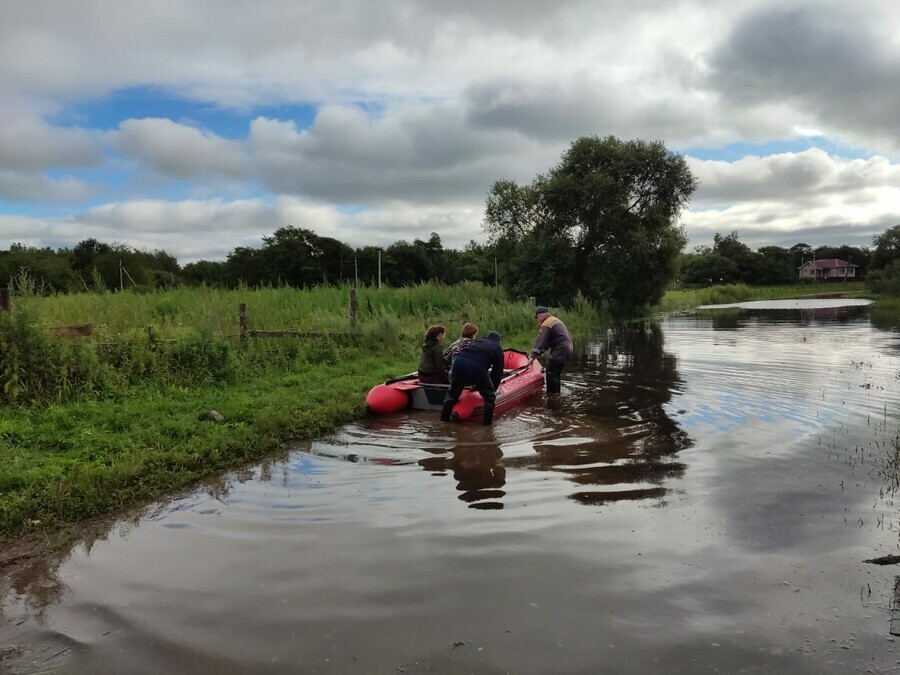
(700,500)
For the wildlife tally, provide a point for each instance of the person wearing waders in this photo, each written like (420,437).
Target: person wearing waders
(470,367)
(552,335)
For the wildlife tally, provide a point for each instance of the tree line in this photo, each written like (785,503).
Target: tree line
(602,223)
(731,261)
(291,256)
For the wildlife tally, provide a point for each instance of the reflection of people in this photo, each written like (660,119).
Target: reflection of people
(431,361)
(469,331)
(471,368)
(476,467)
(552,335)
(478,475)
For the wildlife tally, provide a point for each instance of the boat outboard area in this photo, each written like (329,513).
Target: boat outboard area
(521,380)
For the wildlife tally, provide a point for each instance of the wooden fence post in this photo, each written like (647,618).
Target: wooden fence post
(243,317)
(354,306)
(5,300)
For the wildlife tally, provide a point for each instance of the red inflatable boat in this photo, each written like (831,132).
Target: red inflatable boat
(520,382)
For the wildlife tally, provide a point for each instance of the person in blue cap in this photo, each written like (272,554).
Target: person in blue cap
(478,363)
(552,335)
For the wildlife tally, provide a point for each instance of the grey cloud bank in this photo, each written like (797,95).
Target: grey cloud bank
(420,107)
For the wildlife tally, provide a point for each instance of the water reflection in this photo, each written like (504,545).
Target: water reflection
(477,470)
(609,433)
(30,578)
(732,318)
(30,582)
(535,530)
(626,381)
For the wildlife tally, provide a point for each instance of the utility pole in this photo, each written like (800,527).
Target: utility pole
(379,269)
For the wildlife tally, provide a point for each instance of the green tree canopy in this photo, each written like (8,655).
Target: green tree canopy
(887,248)
(708,268)
(776,266)
(603,221)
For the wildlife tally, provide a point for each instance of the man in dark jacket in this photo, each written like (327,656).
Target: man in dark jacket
(471,368)
(552,335)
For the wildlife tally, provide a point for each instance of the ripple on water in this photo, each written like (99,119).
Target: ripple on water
(586,513)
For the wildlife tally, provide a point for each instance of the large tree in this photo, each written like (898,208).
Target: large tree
(603,221)
(887,247)
(746,262)
(776,266)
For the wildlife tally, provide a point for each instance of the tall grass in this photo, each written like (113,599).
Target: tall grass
(191,336)
(174,312)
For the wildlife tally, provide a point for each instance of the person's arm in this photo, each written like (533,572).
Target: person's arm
(452,350)
(542,342)
(439,358)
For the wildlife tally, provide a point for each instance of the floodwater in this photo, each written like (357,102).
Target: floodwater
(700,500)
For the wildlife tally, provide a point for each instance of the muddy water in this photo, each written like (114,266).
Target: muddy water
(700,499)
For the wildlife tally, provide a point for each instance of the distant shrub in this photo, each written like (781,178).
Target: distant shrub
(37,366)
(384,331)
(322,351)
(885,281)
(203,357)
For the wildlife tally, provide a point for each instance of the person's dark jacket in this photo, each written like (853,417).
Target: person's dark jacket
(486,353)
(554,335)
(431,361)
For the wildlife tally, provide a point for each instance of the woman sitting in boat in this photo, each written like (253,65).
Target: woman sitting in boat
(469,331)
(431,361)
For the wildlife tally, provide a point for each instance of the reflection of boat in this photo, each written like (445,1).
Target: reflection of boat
(520,382)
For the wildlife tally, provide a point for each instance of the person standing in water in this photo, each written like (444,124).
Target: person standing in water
(552,335)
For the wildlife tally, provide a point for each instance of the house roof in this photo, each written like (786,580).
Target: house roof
(829,263)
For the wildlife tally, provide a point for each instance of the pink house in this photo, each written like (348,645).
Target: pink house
(828,269)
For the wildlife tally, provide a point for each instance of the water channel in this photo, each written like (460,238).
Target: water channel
(701,499)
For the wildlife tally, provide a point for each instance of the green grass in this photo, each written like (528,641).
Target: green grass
(717,295)
(88,427)
(62,463)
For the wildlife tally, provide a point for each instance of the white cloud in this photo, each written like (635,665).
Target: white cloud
(774,199)
(194,229)
(20,186)
(28,143)
(177,150)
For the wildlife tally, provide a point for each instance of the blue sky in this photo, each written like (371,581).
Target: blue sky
(105,113)
(194,130)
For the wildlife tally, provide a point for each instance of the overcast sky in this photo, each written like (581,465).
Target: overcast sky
(199,126)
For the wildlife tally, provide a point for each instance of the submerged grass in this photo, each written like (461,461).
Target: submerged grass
(885,312)
(90,426)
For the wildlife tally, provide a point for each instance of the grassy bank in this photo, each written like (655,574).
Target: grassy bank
(91,425)
(718,295)
(64,462)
